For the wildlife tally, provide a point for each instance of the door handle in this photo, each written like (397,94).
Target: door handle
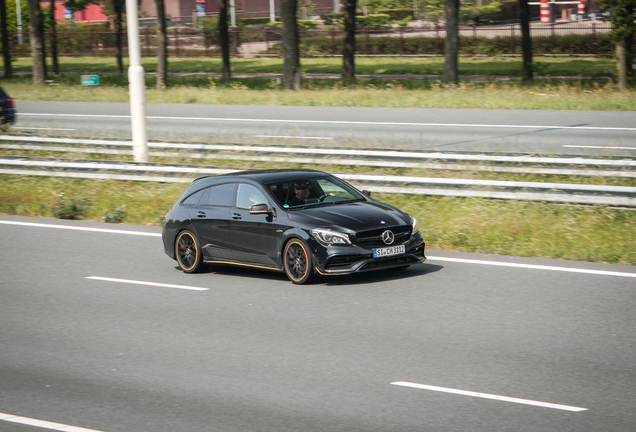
(237,216)
(201,214)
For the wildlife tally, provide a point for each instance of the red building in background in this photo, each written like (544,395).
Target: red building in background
(245,8)
(186,9)
(91,13)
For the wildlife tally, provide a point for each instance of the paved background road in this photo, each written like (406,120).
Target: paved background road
(544,132)
(253,352)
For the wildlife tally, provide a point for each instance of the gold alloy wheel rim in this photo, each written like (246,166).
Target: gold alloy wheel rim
(187,251)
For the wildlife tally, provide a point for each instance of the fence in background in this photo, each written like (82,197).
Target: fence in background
(588,37)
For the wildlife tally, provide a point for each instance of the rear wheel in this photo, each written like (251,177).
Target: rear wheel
(297,262)
(187,252)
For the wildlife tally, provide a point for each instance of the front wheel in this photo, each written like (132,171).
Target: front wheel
(187,252)
(297,262)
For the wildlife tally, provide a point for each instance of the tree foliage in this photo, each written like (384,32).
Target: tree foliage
(12,20)
(620,13)
(621,16)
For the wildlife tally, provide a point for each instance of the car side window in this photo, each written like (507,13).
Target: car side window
(248,196)
(195,197)
(221,195)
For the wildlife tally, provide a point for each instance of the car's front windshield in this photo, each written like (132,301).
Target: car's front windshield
(312,192)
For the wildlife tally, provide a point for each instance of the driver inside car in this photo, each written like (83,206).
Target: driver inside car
(301,193)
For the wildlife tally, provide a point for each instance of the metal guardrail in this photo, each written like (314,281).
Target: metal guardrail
(525,164)
(554,192)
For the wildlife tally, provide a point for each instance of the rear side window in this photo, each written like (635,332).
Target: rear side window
(221,195)
(195,197)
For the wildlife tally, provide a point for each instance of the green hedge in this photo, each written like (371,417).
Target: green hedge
(257,21)
(331,18)
(397,14)
(394,15)
(385,45)
(374,21)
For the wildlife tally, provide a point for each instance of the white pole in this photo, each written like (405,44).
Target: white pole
(232,14)
(272,11)
(18,12)
(336,6)
(136,85)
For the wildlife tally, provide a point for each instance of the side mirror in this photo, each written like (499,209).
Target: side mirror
(367,193)
(260,209)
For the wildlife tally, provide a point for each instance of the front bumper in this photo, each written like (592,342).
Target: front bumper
(338,260)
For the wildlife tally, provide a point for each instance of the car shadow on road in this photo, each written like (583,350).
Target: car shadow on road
(379,276)
(340,280)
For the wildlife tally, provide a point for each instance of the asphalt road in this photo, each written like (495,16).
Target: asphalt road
(599,133)
(252,352)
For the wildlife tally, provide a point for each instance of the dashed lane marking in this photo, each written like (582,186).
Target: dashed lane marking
(136,282)
(489,396)
(43,424)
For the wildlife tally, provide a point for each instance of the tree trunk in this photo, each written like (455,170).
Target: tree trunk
(56,65)
(291,51)
(119,6)
(629,45)
(621,57)
(6,45)
(629,57)
(36,22)
(451,75)
(162,46)
(349,46)
(225,39)
(526,41)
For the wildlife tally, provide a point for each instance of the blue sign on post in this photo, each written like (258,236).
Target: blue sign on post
(200,10)
(90,80)
(68,13)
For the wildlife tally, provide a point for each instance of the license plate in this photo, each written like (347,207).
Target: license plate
(393,250)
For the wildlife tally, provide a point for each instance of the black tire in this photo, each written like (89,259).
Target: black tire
(298,262)
(188,253)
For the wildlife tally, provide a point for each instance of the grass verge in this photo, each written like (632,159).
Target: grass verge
(489,66)
(554,95)
(583,233)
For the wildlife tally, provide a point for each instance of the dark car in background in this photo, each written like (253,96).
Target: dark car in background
(7,108)
(301,222)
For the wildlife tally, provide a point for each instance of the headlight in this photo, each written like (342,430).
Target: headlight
(327,237)
(416,228)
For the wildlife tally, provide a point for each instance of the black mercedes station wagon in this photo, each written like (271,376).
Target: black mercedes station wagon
(303,222)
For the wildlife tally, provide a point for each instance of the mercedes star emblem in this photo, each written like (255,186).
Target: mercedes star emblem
(387,237)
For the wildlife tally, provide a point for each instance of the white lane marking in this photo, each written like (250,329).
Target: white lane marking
(68,227)
(134,282)
(43,424)
(40,128)
(433,258)
(532,266)
(600,147)
(220,119)
(292,137)
(490,396)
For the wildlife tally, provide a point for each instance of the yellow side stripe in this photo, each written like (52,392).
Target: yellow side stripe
(331,274)
(241,264)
